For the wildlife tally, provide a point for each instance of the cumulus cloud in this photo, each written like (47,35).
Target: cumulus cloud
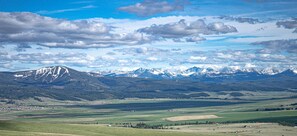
(197,58)
(241,19)
(289,45)
(3,53)
(195,39)
(6,65)
(152,7)
(191,30)
(22,47)
(248,56)
(152,59)
(72,59)
(288,24)
(142,51)
(236,58)
(25,27)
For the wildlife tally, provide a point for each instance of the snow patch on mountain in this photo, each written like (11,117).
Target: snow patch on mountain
(46,74)
(51,72)
(24,74)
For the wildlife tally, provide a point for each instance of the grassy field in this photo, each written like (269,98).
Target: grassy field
(88,117)
(151,111)
(242,129)
(8,128)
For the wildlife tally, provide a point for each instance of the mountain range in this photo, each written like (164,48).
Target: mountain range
(59,82)
(202,74)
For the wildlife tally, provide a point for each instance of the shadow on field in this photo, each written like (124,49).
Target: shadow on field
(7,125)
(60,115)
(167,105)
(288,121)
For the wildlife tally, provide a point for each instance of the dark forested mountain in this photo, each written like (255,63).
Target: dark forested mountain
(64,83)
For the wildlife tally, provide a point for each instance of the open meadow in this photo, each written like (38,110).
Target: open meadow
(150,117)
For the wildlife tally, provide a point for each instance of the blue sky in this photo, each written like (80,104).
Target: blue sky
(76,9)
(95,35)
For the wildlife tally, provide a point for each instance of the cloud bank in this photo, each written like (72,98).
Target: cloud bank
(289,45)
(288,24)
(241,19)
(25,27)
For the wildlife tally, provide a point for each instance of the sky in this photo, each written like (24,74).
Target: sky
(103,35)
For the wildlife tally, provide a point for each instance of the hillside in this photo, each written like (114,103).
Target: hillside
(64,83)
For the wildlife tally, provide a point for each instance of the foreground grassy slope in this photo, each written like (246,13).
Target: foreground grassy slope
(241,129)
(8,128)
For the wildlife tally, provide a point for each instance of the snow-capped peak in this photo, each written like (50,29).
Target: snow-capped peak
(270,71)
(59,73)
(199,71)
(295,71)
(55,70)
(52,72)
(157,71)
(46,74)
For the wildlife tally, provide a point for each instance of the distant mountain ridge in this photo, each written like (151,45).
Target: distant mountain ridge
(63,83)
(196,73)
(55,73)
(61,75)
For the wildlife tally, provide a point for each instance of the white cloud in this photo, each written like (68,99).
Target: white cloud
(195,39)
(289,24)
(24,27)
(192,30)
(279,45)
(152,58)
(250,65)
(151,7)
(123,61)
(197,58)
(241,19)
(224,56)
